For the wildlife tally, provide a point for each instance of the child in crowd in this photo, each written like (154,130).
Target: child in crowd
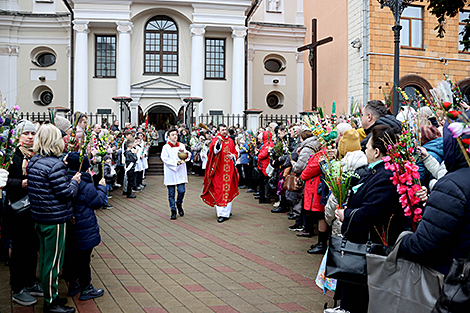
(129,176)
(139,166)
(110,177)
(83,233)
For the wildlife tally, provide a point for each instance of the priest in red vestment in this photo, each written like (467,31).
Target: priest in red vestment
(221,177)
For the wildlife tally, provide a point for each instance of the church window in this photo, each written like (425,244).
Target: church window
(412,31)
(161,46)
(215,58)
(463,17)
(105,56)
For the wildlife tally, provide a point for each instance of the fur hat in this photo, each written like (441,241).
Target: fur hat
(349,142)
(73,162)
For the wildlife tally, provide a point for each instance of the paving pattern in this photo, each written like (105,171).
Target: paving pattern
(147,263)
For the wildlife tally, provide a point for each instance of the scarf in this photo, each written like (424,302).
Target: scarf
(27,154)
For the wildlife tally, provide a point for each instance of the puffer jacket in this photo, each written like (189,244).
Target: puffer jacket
(263,155)
(311,175)
(435,148)
(444,232)
(309,146)
(86,232)
(244,154)
(50,190)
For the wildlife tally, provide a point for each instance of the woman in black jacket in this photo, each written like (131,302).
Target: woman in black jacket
(50,193)
(25,243)
(374,200)
(444,231)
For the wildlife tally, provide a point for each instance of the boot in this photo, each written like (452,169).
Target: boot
(173,215)
(180,209)
(320,248)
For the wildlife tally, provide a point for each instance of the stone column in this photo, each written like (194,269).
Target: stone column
(238,56)
(299,57)
(9,77)
(124,58)
(134,106)
(81,65)
(251,56)
(197,64)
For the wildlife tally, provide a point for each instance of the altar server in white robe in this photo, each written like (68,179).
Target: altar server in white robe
(174,169)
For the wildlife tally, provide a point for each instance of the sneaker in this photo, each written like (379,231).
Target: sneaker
(132,196)
(24,298)
(141,186)
(35,290)
(335,310)
(110,197)
(276,204)
(90,293)
(107,206)
(117,185)
(137,190)
(74,288)
(57,308)
(296,227)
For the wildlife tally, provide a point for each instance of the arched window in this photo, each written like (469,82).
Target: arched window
(161,46)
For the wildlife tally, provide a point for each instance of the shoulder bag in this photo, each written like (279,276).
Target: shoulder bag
(401,286)
(269,170)
(292,183)
(346,260)
(23,204)
(455,295)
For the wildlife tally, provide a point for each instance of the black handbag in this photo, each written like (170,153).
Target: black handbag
(455,296)
(346,260)
(21,205)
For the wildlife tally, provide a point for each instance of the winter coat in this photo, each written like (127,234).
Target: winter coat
(109,174)
(311,175)
(197,151)
(309,146)
(436,169)
(131,157)
(86,232)
(376,199)
(263,155)
(244,154)
(15,178)
(50,190)
(444,231)
(435,148)
(388,120)
(355,160)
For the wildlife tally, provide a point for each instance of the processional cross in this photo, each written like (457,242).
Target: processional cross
(312,59)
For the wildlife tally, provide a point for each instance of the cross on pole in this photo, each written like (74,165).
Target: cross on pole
(312,59)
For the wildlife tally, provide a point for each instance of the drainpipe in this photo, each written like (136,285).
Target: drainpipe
(365,54)
(72,55)
(248,16)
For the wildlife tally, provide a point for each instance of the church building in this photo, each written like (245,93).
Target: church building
(236,55)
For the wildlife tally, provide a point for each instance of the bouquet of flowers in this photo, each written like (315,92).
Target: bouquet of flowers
(73,144)
(401,161)
(84,148)
(281,148)
(339,180)
(9,139)
(102,144)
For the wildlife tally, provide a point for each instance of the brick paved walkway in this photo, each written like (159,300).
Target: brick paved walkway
(147,263)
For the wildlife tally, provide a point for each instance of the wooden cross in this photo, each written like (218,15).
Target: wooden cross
(312,58)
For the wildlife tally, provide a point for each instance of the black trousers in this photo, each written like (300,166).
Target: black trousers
(120,174)
(264,190)
(131,184)
(77,266)
(24,252)
(139,178)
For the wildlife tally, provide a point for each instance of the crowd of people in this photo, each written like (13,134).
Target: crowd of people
(68,170)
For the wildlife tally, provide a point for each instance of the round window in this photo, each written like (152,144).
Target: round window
(46,59)
(46,97)
(272,101)
(273,65)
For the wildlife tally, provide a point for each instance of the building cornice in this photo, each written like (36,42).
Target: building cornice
(269,31)
(35,15)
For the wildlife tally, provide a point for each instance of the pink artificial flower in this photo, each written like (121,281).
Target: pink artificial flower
(405,178)
(416,218)
(414,200)
(418,211)
(402,189)
(16,108)
(386,159)
(458,129)
(404,200)
(389,166)
(407,211)
(416,187)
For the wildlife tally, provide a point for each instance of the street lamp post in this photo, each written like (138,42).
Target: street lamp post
(397,7)
(190,101)
(122,100)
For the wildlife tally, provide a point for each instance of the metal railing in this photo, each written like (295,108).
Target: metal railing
(227,119)
(266,119)
(93,118)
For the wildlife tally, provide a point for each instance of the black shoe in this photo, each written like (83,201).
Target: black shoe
(180,209)
(293,217)
(136,190)
(250,190)
(279,210)
(90,293)
(145,185)
(57,308)
(107,206)
(320,248)
(290,213)
(74,288)
(222,219)
(256,194)
(296,227)
(132,196)
(173,215)
(257,197)
(261,201)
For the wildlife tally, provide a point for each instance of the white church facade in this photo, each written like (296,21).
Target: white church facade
(236,55)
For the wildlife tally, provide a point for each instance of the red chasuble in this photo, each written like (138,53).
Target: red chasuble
(221,177)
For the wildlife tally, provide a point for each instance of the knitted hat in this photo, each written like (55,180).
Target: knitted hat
(73,162)
(26,126)
(62,123)
(429,133)
(349,142)
(106,157)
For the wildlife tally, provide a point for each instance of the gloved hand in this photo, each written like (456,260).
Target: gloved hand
(3,177)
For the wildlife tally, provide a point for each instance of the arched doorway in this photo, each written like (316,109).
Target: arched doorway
(161,116)
(410,84)
(464,85)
